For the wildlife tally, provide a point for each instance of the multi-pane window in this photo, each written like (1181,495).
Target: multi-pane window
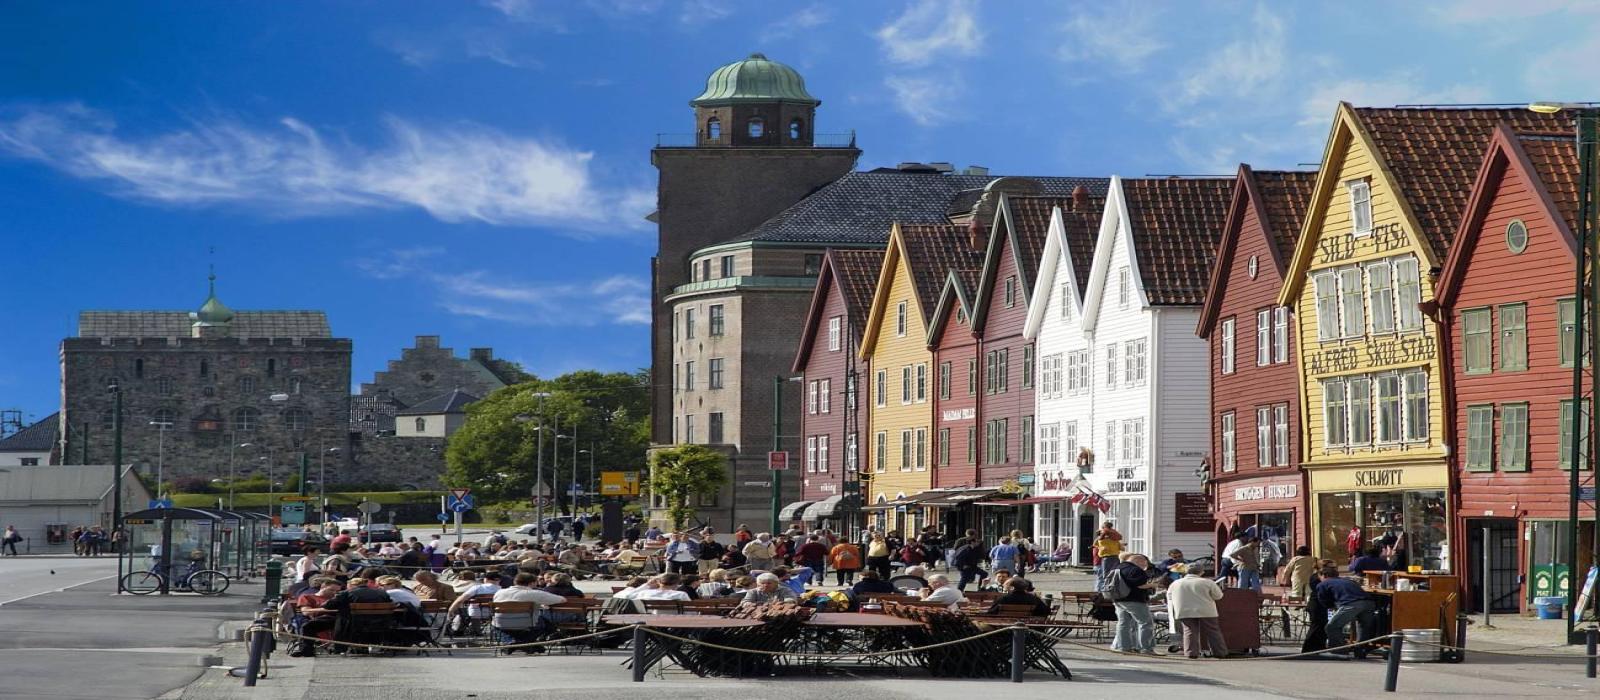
(1110,457)
(1513,337)
(1360,206)
(972,377)
(1416,388)
(1134,362)
(1327,291)
(850,392)
(835,330)
(1003,384)
(727,266)
(813,263)
(1514,437)
(1227,346)
(944,380)
(1280,334)
(717,320)
(812,389)
(1380,288)
(1111,365)
(1334,413)
(247,385)
(688,376)
(1566,435)
(1264,437)
(1133,440)
(1360,410)
(811,454)
(1388,407)
(1050,443)
(1475,341)
(714,428)
(1011,291)
(851,455)
(1025,440)
(688,429)
(1078,372)
(1352,307)
(1050,382)
(1263,337)
(900,319)
(972,444)
(1124,288)
(905,450)
(1567,323)
(944,447)
(822,451)
(922,449)
(882,388)
(1069,440)
(880,453)
(1229,453)
(1480,438)
(688,323)
(1066,303)
(825,396)
(1280,434)
(905,385)
(1408,284)
(996,434)
(922,382)
(294,419)
(1027,366)
(714,373)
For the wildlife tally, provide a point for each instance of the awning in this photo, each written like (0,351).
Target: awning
(830,507)
(906,500)
(792,511)
(962,497)
(1031,500)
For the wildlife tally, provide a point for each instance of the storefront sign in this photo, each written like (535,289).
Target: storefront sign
(1375,352)
(958,414)
(1417,476)
(1121,486)
(1192,512)
(1380,477)
(1257,493)
(828,488)
(1054,481)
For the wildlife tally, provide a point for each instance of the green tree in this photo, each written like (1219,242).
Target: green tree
(495,454)
(678,474)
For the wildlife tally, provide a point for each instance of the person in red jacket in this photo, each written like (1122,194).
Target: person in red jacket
(813,555)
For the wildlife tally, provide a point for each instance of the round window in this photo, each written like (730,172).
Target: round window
(1517,236)
(1254,266)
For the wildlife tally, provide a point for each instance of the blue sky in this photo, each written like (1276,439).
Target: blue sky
(480,170)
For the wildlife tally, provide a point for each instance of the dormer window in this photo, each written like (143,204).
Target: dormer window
(1360,206)
(713,129)
(758,127)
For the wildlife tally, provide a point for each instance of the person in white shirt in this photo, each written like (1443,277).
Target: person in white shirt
(1192,602)
(940,591)
(309,564)
(660,588)
(524,626)
(399,593)
(634,584)
(473,610)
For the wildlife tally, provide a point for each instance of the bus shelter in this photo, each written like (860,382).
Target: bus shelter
(174,542)
(256,548)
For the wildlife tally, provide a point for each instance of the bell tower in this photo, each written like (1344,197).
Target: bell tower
(755,103)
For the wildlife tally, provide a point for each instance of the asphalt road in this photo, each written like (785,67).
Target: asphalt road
(67,635)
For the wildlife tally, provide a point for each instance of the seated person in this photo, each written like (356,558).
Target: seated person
(356,592)
(743,585)
(795,584)
(940,591)
(911,581)
(628,559)
(869,582)
(1371,560)
(524,627)
(427,586)
(398,593)
(464,608)
(769,588)
(1168,565)
(1062,553)
(412,561)
(561,585)
(307,622)
(996,583)
(1019,591)
(663,587)
(691,586)
(633,586)
(716,586)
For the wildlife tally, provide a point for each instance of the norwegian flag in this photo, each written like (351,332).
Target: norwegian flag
(1104,506)
(1077,498)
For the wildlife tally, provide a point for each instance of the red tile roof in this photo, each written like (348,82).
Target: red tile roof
(1434,155)
(855,272)
(1030,216)
(1285,194)
(1175,223)
(932,251)
(1555,159)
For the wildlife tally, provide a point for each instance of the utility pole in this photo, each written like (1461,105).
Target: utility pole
(116,456)
(777,446)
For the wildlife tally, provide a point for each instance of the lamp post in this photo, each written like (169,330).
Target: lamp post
(557,475)
(231,451)
(161,454)
(589,484)
(1586,292)
(322,486)
(116,456)
(777,446)
(538,478)
(272,497)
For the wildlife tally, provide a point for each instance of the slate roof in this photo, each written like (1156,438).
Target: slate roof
(1434,155)
(932,251)
(454,402)
(856,274)
(1285,194)
(859,207)
(39,437)
(177,324)
(1555,159)
(1176,223)
(374,413)
(64,484)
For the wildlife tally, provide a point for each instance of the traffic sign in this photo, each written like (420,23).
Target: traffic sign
(160,503)
(459,494)
(619,483)
(574,489)
(778,461)
(460,504)
(460,507)
(291,498)
(444,517)
(369,507)
(293,513)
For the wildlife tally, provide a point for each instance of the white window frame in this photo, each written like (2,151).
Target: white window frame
(824,398)
(835,325)
(811,454)
(921,462)
(1066,303)
(1263,437)
(1392,423)
(1049,443)
(1352,303)
(1360,207)
(1358,410)
(900,320)
(1280,435)
(811,397)
(1069,440)
(1133,362)
(881,458)
(1110,456)
(1416,422)
(882,399)
(1335,413)
(905,450)
(852,454)
(1408,294)
(1280,334)
(1228,349)
(1326,287)
(1381,298)
(905,385)
(1230,441)
(1111,366)
(1124,287)
(822,453)
(922,382)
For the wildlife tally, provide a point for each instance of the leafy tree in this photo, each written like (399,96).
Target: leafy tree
(678,474)
(496,454)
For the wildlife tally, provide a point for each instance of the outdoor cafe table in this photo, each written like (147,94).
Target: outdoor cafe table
(855,633)
(689,626)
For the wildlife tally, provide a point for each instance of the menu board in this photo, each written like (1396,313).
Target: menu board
(1193,513)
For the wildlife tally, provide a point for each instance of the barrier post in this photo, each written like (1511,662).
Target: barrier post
(1391,677)
(258,647)
(1461,638)
(638,653)
(1019,662)
(274,584)
(1588,646)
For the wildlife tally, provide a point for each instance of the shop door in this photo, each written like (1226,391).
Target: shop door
(1085,548)
(1504,586)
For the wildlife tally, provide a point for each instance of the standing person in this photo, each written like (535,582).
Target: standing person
(878,555)
(1299,571)
(742,536)
(1192,601)
(683,554)
(813,555)
(9,540)
(1129,586)
(758,553)
(1246,560)
(711,551)
(554,527)
(845,558)
(933,546)
(1107,552)
(968,554)
(1025,552)
(1004,555)
(1350,603)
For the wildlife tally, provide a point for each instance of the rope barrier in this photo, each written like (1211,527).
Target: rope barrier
(495,647)
(1448,647)
(802,654)
(1231,657)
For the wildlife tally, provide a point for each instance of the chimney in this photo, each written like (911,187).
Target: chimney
(977,170)
(1080,198)
(975,238)
(481,354)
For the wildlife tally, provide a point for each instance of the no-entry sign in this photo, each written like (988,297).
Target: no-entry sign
(778,461)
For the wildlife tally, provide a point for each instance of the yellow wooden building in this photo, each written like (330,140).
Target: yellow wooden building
(900,390)
(1371,397)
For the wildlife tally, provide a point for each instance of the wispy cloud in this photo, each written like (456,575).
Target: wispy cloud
(457,173)
(616,299)
(1121,34)
(699,12)
(805,19)
(929,30)
(1239,69)
(928,101)
(459,43)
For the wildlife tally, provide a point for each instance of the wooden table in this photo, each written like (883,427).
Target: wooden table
(702,622)
(856,619)
(691,626)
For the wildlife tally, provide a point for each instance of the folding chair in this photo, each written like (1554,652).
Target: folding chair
(368,623)
(576,618)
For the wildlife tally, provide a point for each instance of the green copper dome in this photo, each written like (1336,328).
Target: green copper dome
(754,79)
(214,312)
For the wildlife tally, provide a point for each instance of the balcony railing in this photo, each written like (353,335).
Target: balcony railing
(841,140)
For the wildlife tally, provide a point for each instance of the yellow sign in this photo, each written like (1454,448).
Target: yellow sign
(1380,477)
(619,483)
(292,498)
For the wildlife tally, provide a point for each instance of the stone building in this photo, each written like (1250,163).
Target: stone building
(208,393)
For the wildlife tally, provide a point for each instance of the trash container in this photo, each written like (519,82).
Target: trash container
(1549,607)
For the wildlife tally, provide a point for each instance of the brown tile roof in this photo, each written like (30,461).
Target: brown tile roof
(1176,223)
(1285,194)
(1031,217)
(856,274)
(1556,161)
(932,251)
(1434,154)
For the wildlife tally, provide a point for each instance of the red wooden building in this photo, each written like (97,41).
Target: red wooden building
(1504,303)
(833,421)
(1255,478)
(956,383)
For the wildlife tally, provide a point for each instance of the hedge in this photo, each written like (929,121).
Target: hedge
(260,499)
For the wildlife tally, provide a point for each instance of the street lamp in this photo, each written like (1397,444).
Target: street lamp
(116,455)
(590,485)
(231,479)
(538,479)
(161,453)
(271,493)
(556,450)
(322,489)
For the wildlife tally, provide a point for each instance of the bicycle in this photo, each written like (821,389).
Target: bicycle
(206,582)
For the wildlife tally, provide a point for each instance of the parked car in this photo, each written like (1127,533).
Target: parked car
(380,532)
(290,541)
(350,524)
(527,529)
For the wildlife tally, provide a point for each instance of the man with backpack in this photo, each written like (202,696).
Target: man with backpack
(1128,586)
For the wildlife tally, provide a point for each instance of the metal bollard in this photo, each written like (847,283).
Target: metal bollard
(1461,639)
(1588,646)
(638,653)
(1391,677)
(274,583)
(1019,662)
(258,648)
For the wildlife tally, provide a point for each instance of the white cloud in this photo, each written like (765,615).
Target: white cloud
(1240,69)
(456,173)
(805,19)
(616,299)
(697,12)
(1122,34)
(930,29)
(928,101)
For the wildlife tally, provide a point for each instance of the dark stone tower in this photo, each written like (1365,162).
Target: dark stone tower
(755,153)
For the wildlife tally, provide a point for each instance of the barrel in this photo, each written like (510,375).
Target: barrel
(1415,652)
(1549,607)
